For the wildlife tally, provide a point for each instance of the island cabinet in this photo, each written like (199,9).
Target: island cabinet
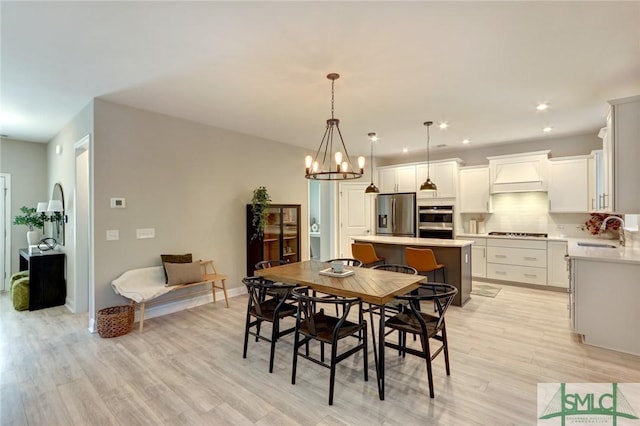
(281,237)
(454,254)
(47,284)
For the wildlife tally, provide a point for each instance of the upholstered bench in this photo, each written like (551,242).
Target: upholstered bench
(144,286)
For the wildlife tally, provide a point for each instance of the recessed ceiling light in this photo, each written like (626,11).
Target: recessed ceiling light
(466,141)
(443,125)
(547,129)
(542,106)
(405,150)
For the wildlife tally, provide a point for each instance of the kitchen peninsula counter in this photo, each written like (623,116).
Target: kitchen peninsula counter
(455,254)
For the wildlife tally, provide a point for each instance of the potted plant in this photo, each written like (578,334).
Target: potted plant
(32,220)
(259,205)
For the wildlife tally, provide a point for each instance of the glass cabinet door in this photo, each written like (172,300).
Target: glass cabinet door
(272,230)
(290,235)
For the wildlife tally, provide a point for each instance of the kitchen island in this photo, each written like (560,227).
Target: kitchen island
(455,254)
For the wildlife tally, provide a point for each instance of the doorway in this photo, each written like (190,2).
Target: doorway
(355,214)
(5,226)
(322,226)
(83,265)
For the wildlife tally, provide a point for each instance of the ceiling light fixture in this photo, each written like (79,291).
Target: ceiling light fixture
(466,141)
(343,169)
(428,185)
(547,129)
(405,150)
(443,125)
(543,106)
(372,189)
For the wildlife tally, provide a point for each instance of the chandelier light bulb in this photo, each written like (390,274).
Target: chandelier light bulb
(316,166)
(361,163)
(308,161)
(345,167)
(338,157)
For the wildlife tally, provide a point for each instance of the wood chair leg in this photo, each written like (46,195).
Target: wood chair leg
(424,340)
(224,290)
(213,290)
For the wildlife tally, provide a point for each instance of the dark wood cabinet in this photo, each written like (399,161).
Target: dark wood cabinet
(281,239)
(47,283)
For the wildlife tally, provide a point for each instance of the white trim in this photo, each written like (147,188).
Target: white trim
(82,295)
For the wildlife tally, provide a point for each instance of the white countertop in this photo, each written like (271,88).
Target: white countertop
(628,254)
(549,238)
(412,241)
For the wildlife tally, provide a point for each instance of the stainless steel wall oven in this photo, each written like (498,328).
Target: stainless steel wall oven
(435,222)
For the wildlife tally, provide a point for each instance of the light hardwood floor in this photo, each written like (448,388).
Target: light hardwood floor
(187,369)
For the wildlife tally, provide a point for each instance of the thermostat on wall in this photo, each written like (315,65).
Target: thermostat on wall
(117,203)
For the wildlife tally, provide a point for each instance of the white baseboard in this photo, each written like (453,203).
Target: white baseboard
(181,305)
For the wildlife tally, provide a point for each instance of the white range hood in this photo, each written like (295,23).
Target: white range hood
(519,172)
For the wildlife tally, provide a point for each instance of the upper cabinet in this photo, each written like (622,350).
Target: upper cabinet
(519,172)
(397,179)
(443,173)
(569,185)
(621,152)
(474,190)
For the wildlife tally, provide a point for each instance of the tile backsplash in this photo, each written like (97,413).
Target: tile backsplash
(528,212)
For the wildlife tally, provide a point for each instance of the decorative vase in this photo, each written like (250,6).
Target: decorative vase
(33,237)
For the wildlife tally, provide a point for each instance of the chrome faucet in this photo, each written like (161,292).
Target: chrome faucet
(620,229)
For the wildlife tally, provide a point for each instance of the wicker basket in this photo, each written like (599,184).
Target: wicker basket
(115,321)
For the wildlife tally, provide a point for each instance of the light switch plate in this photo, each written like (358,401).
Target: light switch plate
(145,233)
(118,203)
(113,235)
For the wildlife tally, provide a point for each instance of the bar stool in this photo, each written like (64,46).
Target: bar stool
(424,261)
(366,253)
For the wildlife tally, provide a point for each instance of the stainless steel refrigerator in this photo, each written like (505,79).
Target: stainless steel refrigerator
(396,214)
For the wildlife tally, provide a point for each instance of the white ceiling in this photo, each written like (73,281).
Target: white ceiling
(259,67)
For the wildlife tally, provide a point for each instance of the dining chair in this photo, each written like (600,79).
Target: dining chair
(366,253)
(267,302)
(347,261)
(312,323)
(424,261)
(264,264)
(427,326)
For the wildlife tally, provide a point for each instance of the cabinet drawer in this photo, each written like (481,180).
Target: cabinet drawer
(504,242)
(517,256)
(522,274)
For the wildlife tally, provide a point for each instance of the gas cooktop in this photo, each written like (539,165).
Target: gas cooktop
(519,234)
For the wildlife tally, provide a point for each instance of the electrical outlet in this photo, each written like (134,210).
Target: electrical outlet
(145,233)
(113,235)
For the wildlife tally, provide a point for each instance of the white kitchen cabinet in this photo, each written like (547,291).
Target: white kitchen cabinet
(517,260)
(605,303)
(621,151)
(596,180)
(569,185)
(474,190)
(443,173)
(519,172)
(397,179)
(478,256)
(557,267)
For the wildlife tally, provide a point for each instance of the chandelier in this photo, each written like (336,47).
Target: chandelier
(428,185)
(322,166)
(372,189)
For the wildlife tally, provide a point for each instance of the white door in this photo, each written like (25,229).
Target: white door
(355,214)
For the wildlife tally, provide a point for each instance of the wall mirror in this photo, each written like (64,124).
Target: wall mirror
(56,209)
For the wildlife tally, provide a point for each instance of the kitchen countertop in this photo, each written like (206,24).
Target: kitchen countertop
(412,241)
(627,254)
(549,238)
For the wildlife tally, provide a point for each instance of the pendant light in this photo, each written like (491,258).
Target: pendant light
(372,189)
(321,167)
(428,185)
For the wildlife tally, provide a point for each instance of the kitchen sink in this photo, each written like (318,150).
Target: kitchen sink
(601,245)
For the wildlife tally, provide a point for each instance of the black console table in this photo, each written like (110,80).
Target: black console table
(47,284)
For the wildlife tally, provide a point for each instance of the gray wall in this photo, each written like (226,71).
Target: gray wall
(472,156)
(190,182)
(26,162)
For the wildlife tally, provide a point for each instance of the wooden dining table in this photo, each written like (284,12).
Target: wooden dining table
(372,286)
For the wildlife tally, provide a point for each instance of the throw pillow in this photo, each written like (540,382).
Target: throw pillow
(174,258)
(183,273)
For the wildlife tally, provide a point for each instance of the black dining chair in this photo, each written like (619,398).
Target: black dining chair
(268,302)
(426,326)
(347,261)
(312,323)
